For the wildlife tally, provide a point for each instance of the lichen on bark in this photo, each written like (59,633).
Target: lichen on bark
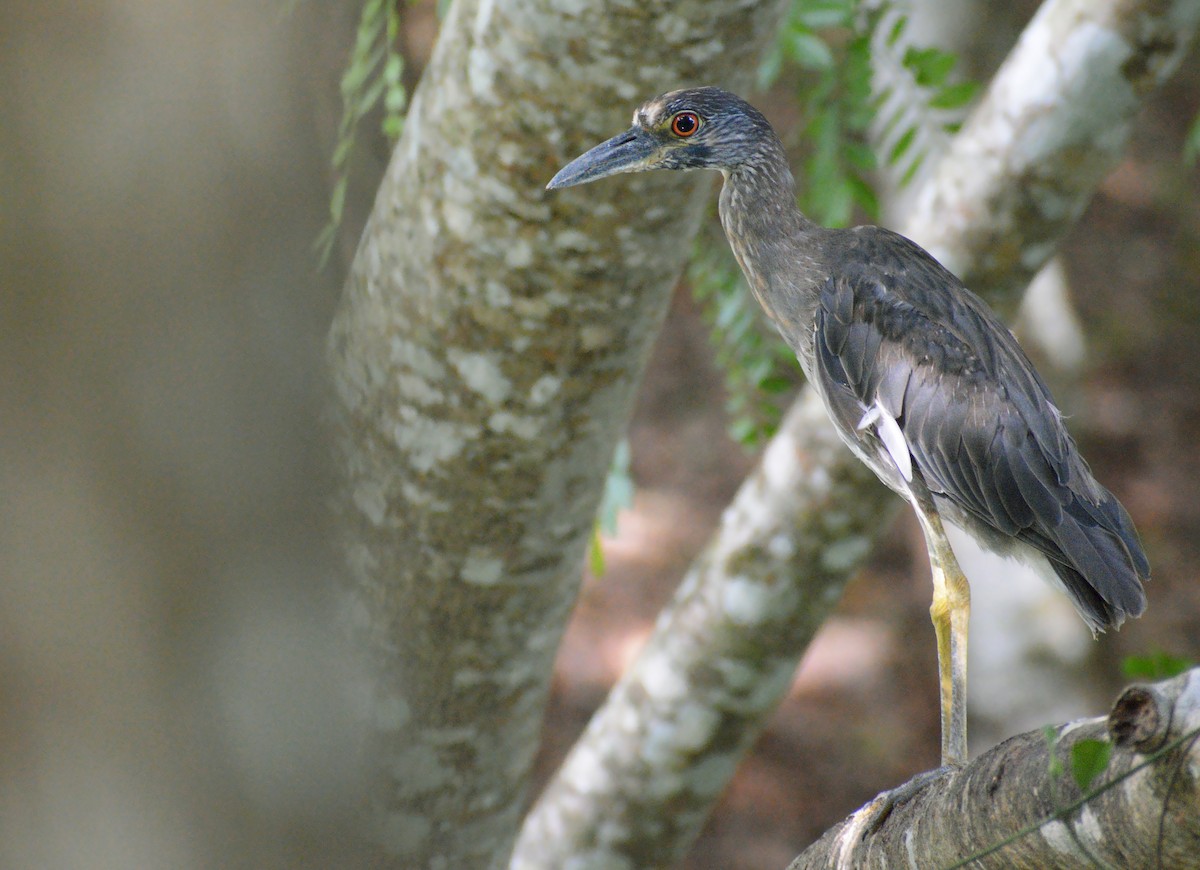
(485,355)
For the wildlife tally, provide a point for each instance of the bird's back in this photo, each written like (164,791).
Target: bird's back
(897,334)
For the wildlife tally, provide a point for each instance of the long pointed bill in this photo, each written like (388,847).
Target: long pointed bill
(628,152)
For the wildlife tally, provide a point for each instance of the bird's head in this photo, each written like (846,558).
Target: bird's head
(698,128)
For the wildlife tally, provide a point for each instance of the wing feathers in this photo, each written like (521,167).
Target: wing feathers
(945,388)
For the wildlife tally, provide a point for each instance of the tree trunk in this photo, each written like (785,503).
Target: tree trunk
(485,356)
(1142,810)
(783,529)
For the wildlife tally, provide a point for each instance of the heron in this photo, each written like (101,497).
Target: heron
(921,379)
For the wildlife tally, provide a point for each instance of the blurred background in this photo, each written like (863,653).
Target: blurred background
(173,691)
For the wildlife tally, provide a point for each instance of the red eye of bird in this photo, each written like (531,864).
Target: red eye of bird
(684,124)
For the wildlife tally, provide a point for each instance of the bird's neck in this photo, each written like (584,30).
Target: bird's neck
(775,244)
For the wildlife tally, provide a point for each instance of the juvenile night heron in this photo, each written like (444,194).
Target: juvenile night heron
(922,381)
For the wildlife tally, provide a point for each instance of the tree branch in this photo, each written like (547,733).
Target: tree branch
(641,780)
(1054,122)
(611,787)
(485,356)
(1011,808)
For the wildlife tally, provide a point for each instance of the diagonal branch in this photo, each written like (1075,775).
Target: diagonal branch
(643,777)
(1015,179)
(1012,807)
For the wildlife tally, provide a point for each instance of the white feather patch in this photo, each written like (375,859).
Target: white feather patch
(889,433)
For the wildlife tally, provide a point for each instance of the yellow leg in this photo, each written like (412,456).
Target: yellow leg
(951,612)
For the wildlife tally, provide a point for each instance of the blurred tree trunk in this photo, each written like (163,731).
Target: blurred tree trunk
(485,356)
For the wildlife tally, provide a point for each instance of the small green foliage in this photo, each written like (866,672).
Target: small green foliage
(896,31)
(902,145)
(760,369)
(823,42)
(929,66)
(618,495)
(1191,145)
(922,96)
(1157,665)
(618,489)
(372,73)
(954,96)
(596,551)
(1055,766)
(1089,758)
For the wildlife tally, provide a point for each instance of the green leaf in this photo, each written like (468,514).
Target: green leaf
(596,551)
(929,66)
(897,30)
(1055,766)
(373,74)
(368,97)
(392,67)
(618,489)
(746,432)
(882,97)
(809,51)
(902,145)
(1155,666)
(768,70)
(954,96)
(775,384)
(819,16)
(913,168)
(1089,758)
(341,154)
(362,65)
(863,194)
(324,244)
(337,200)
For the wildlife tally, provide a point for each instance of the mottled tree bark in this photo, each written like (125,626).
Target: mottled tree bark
(1149,817)
(616,787)
(485,355)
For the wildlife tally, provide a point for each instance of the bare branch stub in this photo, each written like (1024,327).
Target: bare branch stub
(1137,721)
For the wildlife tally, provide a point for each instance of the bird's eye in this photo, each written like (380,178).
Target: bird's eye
(684,124)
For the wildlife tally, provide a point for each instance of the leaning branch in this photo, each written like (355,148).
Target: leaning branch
(671,733)
(1054,122)
(1018,804)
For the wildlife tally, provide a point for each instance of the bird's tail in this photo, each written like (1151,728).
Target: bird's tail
(1101,562)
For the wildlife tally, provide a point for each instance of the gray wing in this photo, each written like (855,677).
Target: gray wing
(896,328)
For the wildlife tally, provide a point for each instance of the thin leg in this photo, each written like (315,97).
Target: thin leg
(950,611)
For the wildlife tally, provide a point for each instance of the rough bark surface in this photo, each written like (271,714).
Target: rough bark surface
(485,355)
(1144,810)
(606,803)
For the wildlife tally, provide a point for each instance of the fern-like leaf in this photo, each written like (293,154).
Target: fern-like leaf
(373,73)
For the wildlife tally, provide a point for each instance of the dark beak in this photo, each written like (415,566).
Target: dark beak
(628,152)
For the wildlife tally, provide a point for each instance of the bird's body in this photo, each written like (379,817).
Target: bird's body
(921,379)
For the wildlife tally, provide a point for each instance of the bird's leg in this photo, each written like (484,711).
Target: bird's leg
(950,611)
